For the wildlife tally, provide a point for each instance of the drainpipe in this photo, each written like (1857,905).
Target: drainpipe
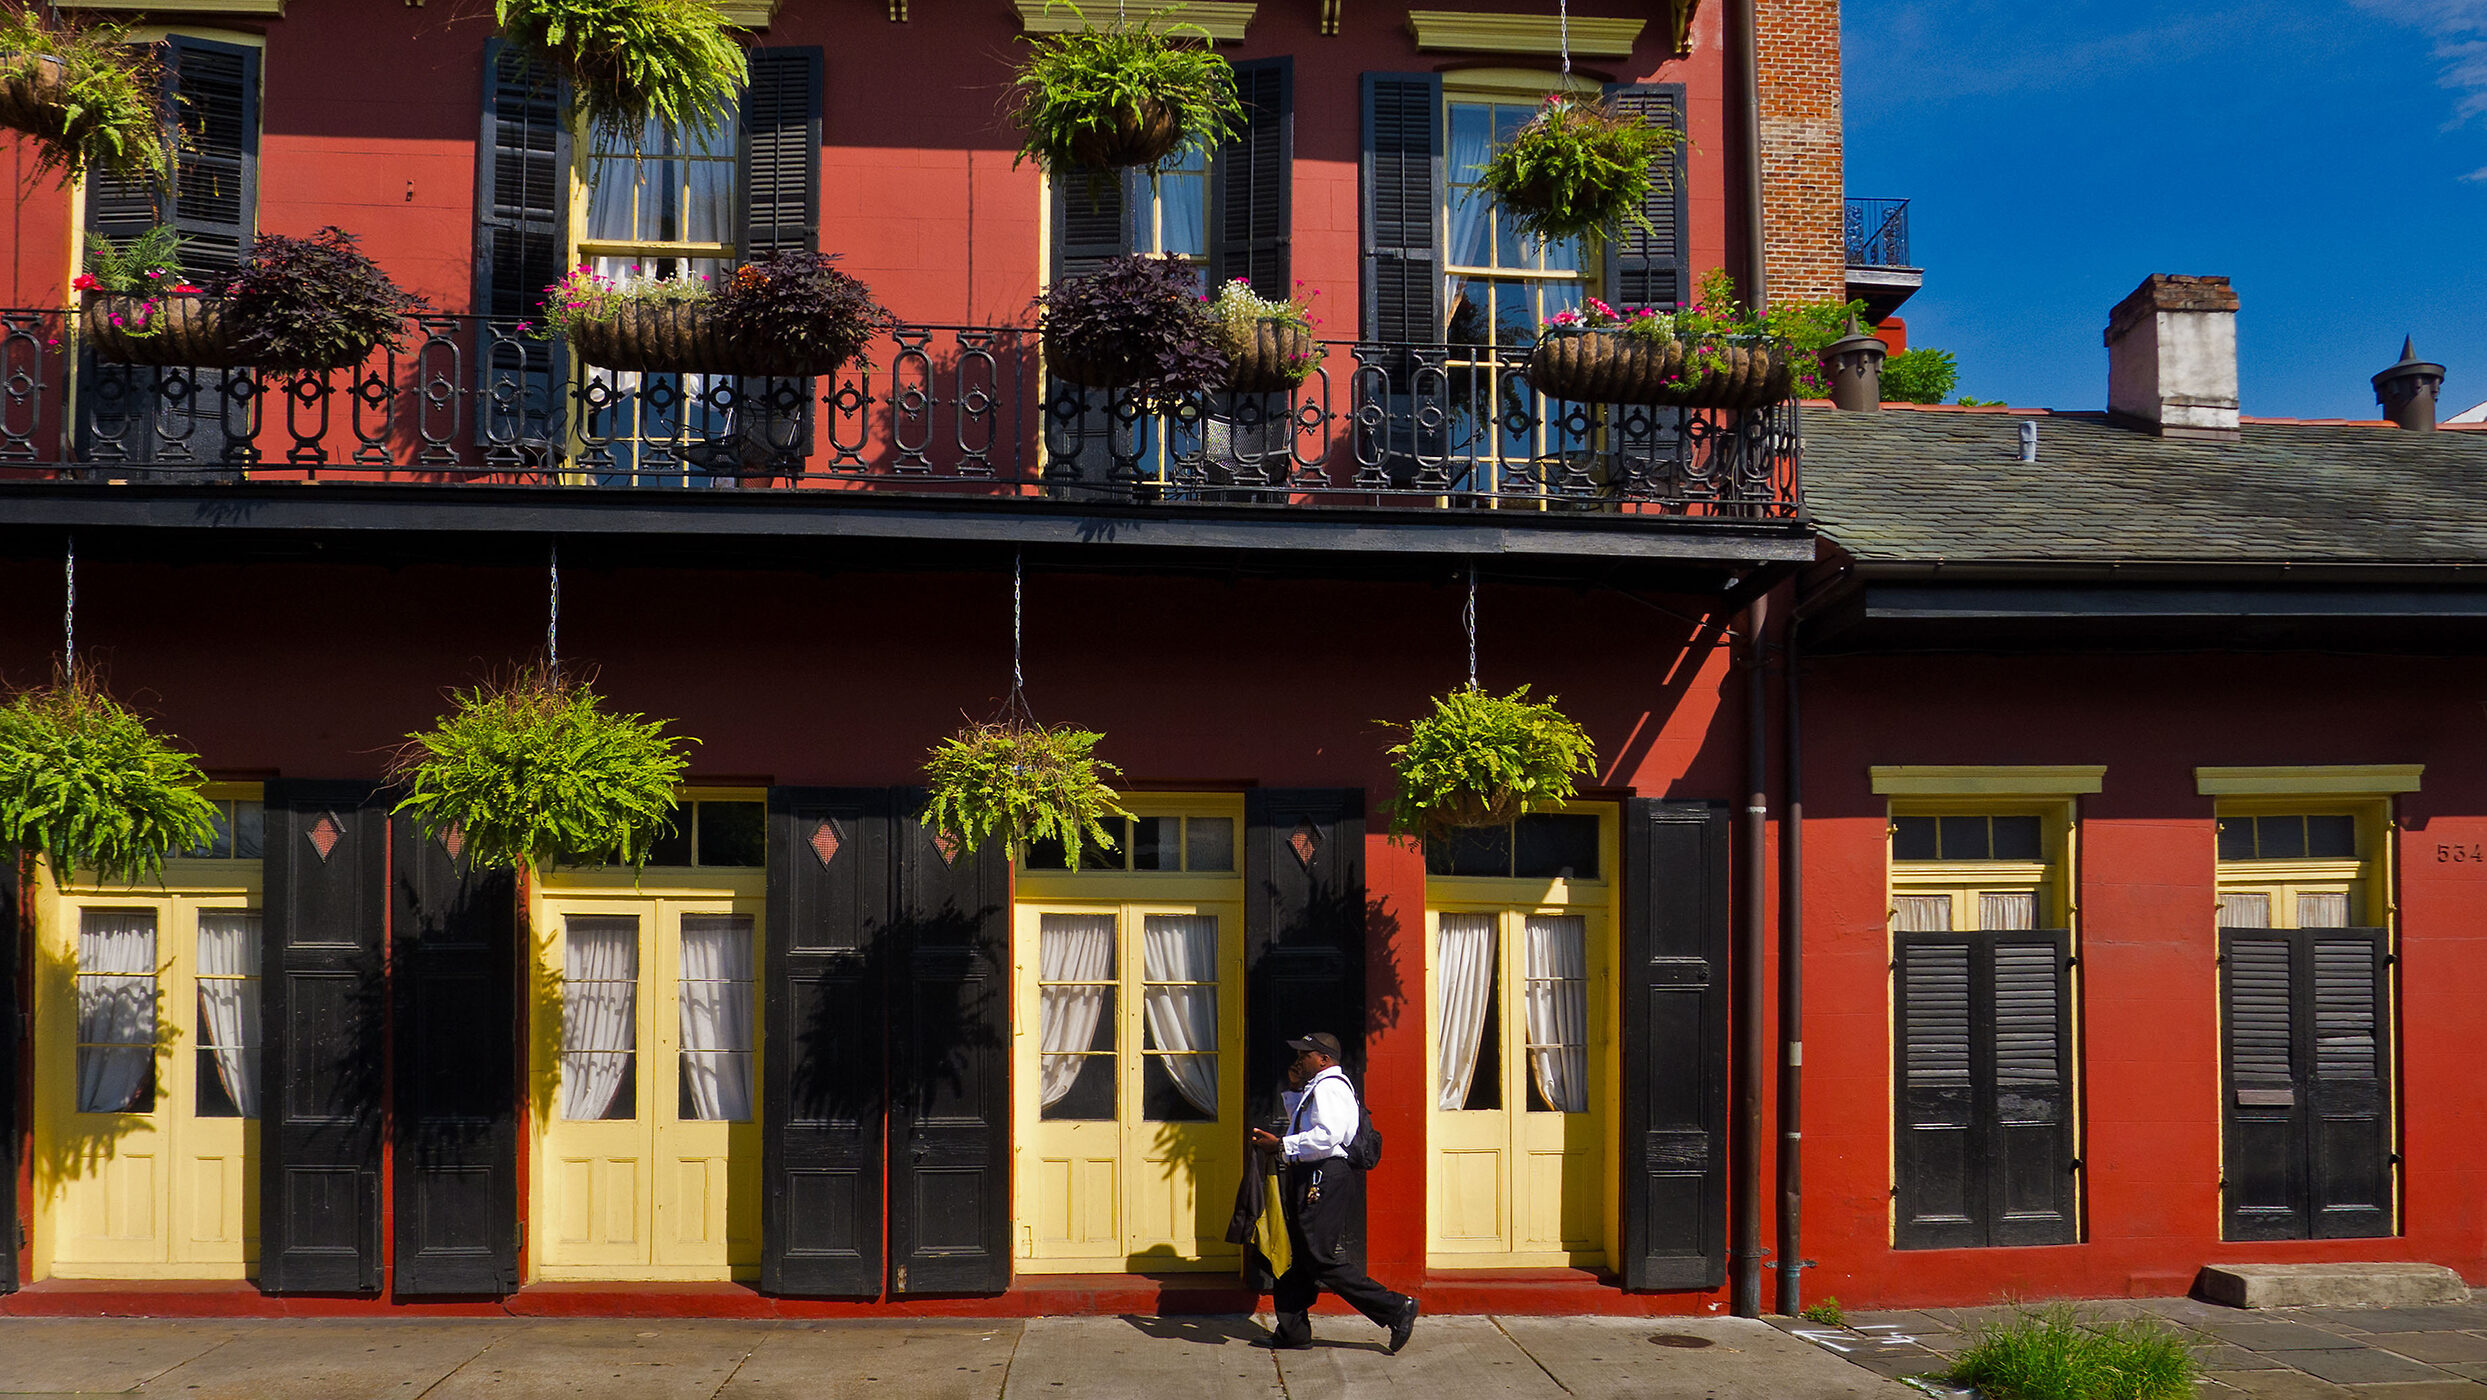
(1745,48)
(1792,976)
(1745,1132)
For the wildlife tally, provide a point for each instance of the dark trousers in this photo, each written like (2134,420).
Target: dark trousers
(1317,1233)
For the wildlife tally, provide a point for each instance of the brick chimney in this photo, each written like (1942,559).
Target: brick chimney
(2172,358)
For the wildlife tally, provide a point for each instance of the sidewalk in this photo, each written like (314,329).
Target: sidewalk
(1110,1358)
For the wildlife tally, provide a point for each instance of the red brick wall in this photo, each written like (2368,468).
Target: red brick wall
(1802,171)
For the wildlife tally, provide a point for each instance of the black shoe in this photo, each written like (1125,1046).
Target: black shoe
(1294,1332)
(1279,1341)
(1404,1327)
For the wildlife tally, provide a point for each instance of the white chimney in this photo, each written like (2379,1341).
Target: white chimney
(2172,358)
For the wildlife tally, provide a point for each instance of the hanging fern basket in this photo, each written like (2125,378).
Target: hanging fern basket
(1480,759)
(532,770)
(1020,781)
(1578,169)
(85,783)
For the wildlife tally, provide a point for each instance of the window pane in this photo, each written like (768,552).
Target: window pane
(715,1001)
(1921,913)
(2008,911)
(1964,838)
(733,833)
(2331,838)
(2327,909)
(1912,838)
(1108,855)
(1558,846)
(2016,838)
(1555,962)
(250,823)
(1472,137)
(1210,843)
(2245,911)
(599,1017)
(219,844)
(1474,850)
(673,846)
(116,1010)
(1179,1013)
(1075,1015)
(1045,853)
(228,984)
(1466,958)
(2236,838)
(2280,838)
(1156,843)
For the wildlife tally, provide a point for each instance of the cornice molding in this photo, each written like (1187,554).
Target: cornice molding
(1987,780)
(1469,31)
(270,8)
(1223,20)
(2320,780)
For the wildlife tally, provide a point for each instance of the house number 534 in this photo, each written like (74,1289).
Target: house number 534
(2458,854)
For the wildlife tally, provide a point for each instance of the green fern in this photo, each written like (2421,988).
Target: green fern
(632,62)
(1576,170)
(1023,782)
(100,97)
(1077,87)
(1477,746)
(85,783)
(124,267)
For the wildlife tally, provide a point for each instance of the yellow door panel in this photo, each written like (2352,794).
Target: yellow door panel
(1473,1193)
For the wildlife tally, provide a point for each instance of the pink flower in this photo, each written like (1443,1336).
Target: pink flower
(85,282)
(1566,318)
(186,289)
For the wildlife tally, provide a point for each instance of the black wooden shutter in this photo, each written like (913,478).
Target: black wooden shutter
(2265,1161)
(949,1129)
(1402,206)
(1674,991)
(824,1051)
(11,1038)
(216,184)
(1935,1167)
(1089,221)
(1249,217)
(781,151)
(1304,932)
(522,175)
(454,967)
(322,1013)
(1646,266)
(2350,1155)
(2308,1127)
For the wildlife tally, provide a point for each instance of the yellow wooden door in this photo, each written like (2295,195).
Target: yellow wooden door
(147,1081)
(648,1067)
(1519,1003)
(1129,1046)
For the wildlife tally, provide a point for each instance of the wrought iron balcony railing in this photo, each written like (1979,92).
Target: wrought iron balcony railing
(1878,233)
(937,409)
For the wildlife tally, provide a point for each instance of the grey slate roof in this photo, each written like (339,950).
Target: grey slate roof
(1914,485)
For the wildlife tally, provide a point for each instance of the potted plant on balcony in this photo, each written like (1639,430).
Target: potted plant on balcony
(1577,169)
(1125,95)
(89,97)
(1137,323)
(1713,354)
(309,305)
(532,768)
(1021,781)
(136,308)
(633,62)
(1269,344)
(1481,759)
(789,314)
(87,784)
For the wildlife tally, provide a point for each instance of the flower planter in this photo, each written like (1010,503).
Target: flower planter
(1609,366)
(1471,809)
(1141,135)
(1277,357)
(181,329)
(36,101)
(1099,371)
(684,337)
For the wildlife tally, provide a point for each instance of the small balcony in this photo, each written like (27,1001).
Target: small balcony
(960,418)
(1879,271)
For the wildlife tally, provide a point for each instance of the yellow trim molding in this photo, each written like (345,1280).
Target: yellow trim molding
(275,8)
(2321,780)
(1223,20)
(1975,780)
(748,14)
(1468,31)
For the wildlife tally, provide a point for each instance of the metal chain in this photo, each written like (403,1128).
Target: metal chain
(1018,677)
(1563,35)
(552,618)
(1469,616)
(69,614)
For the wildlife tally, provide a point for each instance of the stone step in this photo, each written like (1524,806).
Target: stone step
(2330,1285)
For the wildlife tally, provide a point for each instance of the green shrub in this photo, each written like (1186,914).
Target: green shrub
(1717,319)
(2052,1354)
(1919,376)
(139,266)
(90,98)
(1079,94)
(85,783)
(1578,169)
(635,61)
(535,770)
(1022,781)
(1481,758)
(1825,1311)
(1239,310)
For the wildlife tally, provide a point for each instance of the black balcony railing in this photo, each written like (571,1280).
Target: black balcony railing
(937,408)
(1878,233)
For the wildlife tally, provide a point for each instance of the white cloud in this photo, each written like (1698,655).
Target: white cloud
(2459,28)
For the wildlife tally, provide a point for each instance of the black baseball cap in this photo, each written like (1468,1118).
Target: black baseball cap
(1321,1041)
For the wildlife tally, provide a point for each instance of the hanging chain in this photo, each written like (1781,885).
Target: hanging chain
(1018,599)
(552,618)
(69,613)
(1563,37)
(1469,616)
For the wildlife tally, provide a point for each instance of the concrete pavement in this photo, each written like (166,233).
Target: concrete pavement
(1094,1358)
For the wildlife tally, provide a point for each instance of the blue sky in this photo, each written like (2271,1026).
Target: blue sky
(2328,155)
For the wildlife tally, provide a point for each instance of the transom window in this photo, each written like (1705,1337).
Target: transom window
(2289,836)
(1966,838)
(241,832)
(1543,846)
(1163,843)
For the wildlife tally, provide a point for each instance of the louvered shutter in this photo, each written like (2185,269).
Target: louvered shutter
(2264,1161)
(321,1015)
(2350,1155)
(823,1057)
(2026,1102)
(215,186)
(1402,208)
(1253,173)
(1646,266)
(454,1150)
(12,888)
(1673,987)
(949,1123)
(781,151)
(1934,1153)
(2307,1113)
(1091,223)
(522,175)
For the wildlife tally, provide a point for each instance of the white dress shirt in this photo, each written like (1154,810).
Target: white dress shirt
(1321,1129)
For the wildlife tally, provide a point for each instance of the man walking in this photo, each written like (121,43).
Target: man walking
(1324,1195)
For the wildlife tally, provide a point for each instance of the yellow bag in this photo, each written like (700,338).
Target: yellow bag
(1270,1232)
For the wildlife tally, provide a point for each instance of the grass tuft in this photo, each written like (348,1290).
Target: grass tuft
(2052,1354)
(1825,1311)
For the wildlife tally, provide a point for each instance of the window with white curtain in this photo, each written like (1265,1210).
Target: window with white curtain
(715,996)
(116,1010)
(1076,982)
(1465,955)
(1179,1002)
(228,1038)
(599,1017)
(1556,971)
(661,203)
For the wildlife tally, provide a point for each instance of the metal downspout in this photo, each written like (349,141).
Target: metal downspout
(1744,43)
(1792,973)
(1744,1147)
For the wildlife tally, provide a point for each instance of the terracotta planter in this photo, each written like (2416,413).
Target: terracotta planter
(1607,366)
(684,337)
(1276,357)
(180,330)
(1141,135)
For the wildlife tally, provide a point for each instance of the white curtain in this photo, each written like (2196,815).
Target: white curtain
(229,1001)
(2001,913)
(116,1010)
(1464,977)
(1179,964)
(716,1015)
(1921,913)
(599,1013)
(2325,910)
(1556,953)
(2245,911)
(1070,948)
